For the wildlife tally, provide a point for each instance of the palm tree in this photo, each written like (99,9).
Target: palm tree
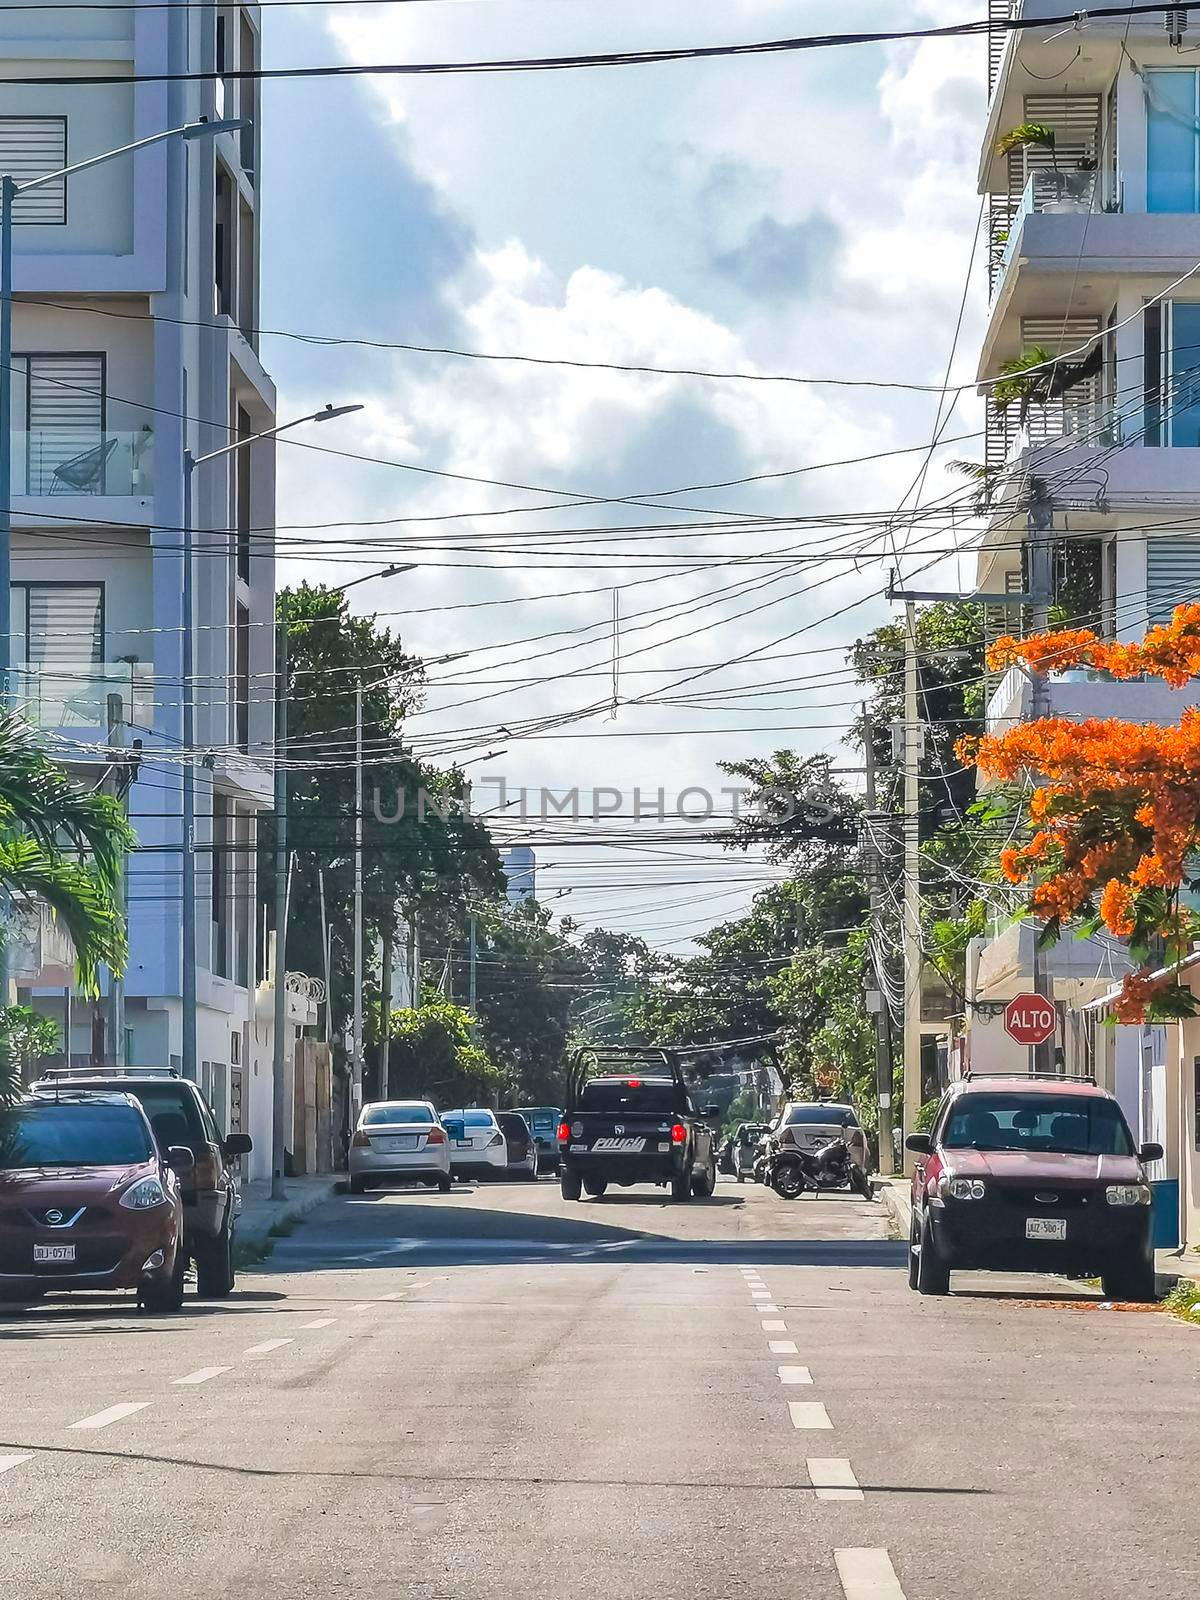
(65,845)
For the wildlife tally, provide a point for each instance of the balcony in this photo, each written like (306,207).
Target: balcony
(73,696)
(1080,693)
(80,461)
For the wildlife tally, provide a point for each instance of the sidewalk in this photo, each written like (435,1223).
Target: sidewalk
(1169,1265)
(259,1213)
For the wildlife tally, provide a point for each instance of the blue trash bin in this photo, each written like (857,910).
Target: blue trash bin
(1166,1213)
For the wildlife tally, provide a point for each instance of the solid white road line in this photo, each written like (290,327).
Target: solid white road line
(112,1414)
(833,1478)
(774,1327)
(795,1375)
(782,1347)
(321,1322)
(867,1575)
(8,1462)
(266,1346)
(809,1414)
(201,1375)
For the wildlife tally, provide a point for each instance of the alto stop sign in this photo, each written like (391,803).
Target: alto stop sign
(1030,1019)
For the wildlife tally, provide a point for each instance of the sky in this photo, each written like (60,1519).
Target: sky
(802,214)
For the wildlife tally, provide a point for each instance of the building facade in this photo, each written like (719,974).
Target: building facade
(1090,173)
(137,287)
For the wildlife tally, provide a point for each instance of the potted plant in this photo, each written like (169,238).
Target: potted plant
(1071,192)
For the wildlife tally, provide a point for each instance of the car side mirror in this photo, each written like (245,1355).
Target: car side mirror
(237,1144)
(180,1159)
(918,1143)
(1150,1151)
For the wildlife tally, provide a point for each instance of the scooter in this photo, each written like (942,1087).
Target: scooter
(791,1171)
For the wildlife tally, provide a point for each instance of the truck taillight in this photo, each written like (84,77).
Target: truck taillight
(679,1134)
(435,1136)
(361,1139)
(206,1173)
(564,1132)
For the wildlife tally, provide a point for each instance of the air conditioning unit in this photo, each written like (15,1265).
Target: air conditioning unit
(1175,21)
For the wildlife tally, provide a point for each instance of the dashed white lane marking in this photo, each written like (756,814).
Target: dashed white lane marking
(833,1478)
(795,1375)
(363,1305)
(266,1346)
(809,1414)
(201,1375)
(112,1414)
(867,1575)
(321,1322)
(8,1462)
(782,1347)
(764,1305)
(760,1294)
(774,1327)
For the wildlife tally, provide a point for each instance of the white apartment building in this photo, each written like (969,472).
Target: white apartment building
(1098,236)
(134,338)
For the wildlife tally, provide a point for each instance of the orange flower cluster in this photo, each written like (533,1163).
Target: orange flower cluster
(1118,908)
(1138,992)
(1170,651)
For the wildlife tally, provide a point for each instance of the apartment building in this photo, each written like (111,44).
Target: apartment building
(1094,251)
(137,289)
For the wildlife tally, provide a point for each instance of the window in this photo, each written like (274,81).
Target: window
(222,887)
(1172,141)
(398,1111)
(225,243)
(248,92)
(1046,1123)
(92,1135)
(241,677)
(1171,355)
(56,624)
(241,463)
(59,400)
(653,1098)
(29,148)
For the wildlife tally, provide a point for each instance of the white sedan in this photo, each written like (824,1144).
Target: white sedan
(399,1139)
(477,1147)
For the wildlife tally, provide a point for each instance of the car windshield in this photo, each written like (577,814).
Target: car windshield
(409,1111)
(74,1136)
(825,1116)
(654,1098)
(1059,1124)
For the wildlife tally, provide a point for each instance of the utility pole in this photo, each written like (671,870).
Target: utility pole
(883,1044)
(1039,524)
(116,982)
(385,1011)
(356,1074)
(911,922)
(279,1043)
(474,948)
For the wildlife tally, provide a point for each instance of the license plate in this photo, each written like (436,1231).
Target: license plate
(398,1141)
(1045,1228)
(463,1144)
(623,1146)
(54,1252)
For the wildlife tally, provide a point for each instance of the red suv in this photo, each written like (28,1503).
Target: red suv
(1031,1175)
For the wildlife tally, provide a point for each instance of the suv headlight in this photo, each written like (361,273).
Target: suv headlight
(962,1188)
(144,1196)
(1128,1194)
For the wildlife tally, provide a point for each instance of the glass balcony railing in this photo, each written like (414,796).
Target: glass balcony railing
(1074,192)
(69,460)
(70,694)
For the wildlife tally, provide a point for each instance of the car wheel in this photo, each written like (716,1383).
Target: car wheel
(704,1184)
(681,1187)
(595,1187)
(1130,1281)
(933,1275)
(445,1184)
(913,1257)
(358,1186)
(214,1265)
(166,1296)
(571,1185)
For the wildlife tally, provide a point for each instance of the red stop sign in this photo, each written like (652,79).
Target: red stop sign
(1030,1019)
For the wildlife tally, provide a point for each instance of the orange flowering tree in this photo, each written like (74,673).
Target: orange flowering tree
(1114,819)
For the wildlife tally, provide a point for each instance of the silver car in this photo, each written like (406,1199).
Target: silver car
(397,1140)
(809,1124)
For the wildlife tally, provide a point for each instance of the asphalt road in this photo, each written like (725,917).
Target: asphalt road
(496,1394)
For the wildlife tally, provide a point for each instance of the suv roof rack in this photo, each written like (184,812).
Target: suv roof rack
(1042,1077)
(58,1074)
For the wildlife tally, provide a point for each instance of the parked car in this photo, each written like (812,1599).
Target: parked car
(544,1121)
(520,1150)
(399,1139)
(812,1124)
(477,1147)
(1031,1175)
(89,1200)
(180,1116)
(628,1130)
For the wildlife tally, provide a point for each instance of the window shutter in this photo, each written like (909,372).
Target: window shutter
(1172,576)
(66,416)
(66,623)
(29,148)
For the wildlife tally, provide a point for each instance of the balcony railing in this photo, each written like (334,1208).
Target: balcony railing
(72,694)
(1048,192)
(71,460)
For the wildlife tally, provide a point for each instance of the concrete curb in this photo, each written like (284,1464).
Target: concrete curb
(894,1193)
(258,1217)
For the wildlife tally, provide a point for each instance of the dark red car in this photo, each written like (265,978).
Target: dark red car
(88,1201)
(1031,1175)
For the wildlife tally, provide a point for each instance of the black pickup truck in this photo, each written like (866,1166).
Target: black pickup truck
(630,1127)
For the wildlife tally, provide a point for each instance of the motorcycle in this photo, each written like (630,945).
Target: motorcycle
(725,1161)
(790,1171)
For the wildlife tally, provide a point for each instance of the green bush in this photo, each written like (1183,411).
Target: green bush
(925,1116)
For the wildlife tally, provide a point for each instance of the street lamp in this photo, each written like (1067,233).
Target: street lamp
(190,463)
(9,190)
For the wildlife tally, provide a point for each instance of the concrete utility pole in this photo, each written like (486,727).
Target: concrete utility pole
(914,733)
(356,1072)
(883,1043)
(474,960)
(279,1042)
(1039,527)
